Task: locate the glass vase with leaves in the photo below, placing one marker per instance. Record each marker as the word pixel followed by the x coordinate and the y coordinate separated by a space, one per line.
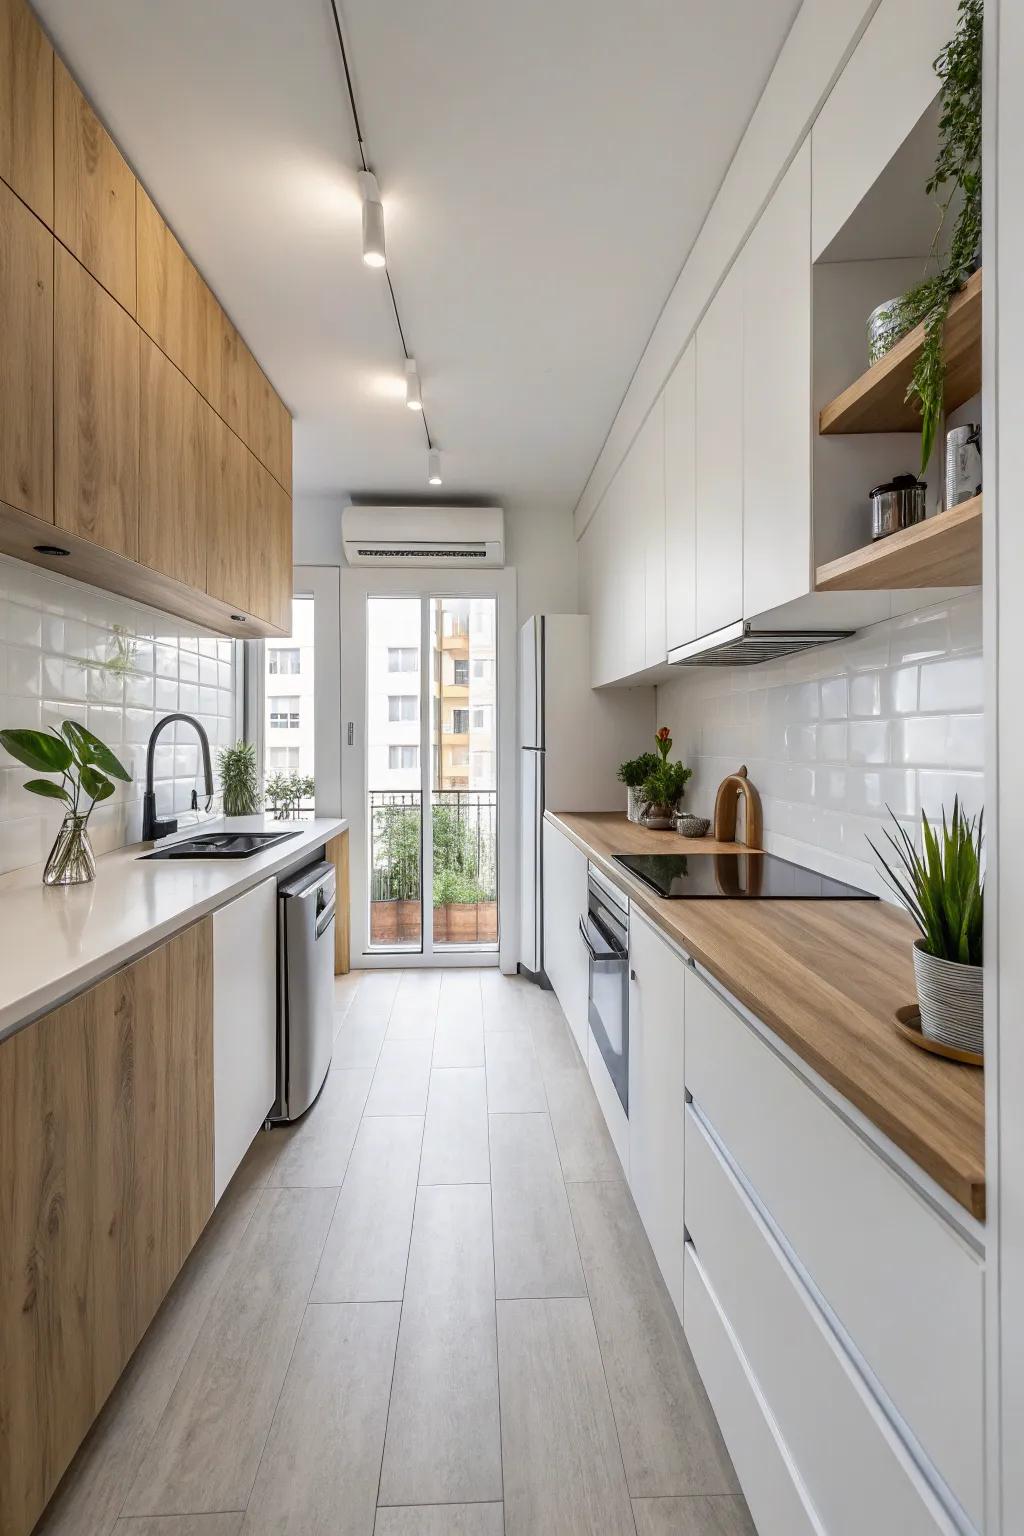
pixel 87 769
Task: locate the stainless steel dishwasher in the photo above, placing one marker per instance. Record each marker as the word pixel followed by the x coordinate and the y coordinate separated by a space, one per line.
pixel 305 987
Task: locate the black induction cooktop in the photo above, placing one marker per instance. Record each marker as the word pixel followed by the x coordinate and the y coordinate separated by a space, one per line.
pixel 735 876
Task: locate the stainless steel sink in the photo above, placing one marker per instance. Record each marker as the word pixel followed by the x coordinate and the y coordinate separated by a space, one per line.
pixel 220 845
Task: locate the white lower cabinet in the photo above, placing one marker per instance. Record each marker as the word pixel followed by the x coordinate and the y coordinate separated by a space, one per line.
pixel 565 902
pixel 244 1024
pixel 657 973
pixel 857 1472
pixel 855 1307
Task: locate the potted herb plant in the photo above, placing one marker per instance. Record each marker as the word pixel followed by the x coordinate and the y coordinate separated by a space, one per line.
pixel 942 888
pixel 663 787
pixel 87 769
pixel 239 779
pixel 632 774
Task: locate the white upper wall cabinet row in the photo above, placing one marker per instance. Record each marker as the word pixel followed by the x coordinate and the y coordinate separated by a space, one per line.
pixel 710 516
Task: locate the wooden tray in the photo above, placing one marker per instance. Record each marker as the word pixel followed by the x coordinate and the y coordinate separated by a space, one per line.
pixel 908 1022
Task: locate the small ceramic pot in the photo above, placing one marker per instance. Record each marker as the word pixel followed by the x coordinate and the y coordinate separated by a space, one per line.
pixel 634 804
pixel 951 997
pixel 660 818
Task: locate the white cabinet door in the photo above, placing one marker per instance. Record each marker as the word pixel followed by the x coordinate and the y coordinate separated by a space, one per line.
pixel 720 458
pixel 565 902
pixel 776 265
pixel 244 1024
pixel 625 556
pixel 657 974
pixel 681 501
pixel 649 522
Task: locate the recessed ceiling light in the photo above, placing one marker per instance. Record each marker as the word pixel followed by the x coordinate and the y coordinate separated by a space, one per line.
pixel 434 467
pixel 413 398
pixel 373 221
pixel 53 550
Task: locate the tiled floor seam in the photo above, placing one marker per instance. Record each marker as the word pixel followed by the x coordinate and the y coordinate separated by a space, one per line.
pixel 408 1253
pixel 497 1356
pixel 291 1356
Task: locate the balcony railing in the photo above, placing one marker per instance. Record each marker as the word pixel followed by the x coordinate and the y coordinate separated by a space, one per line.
pixel 464 827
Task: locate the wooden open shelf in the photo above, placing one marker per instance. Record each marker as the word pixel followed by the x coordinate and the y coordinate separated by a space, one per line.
pixel 875 402
pixel 943 551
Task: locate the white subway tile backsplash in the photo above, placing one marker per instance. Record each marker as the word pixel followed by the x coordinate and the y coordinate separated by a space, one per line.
pixel 55 634
pixel 892 717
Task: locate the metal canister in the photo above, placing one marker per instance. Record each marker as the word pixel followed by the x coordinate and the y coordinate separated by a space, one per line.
pixel 963 463
pixel 899 503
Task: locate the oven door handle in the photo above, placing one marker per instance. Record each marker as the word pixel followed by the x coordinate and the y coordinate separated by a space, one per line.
pixel 587 944
pixel 615 960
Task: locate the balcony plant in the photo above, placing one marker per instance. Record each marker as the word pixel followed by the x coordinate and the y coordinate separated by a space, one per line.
pixel 285 793
pixel 943 889
pixel 664 786
pixel 633 773
pixel 239 779
pixel 87 770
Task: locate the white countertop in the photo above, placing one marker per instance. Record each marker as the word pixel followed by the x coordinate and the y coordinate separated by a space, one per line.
pixel 54 942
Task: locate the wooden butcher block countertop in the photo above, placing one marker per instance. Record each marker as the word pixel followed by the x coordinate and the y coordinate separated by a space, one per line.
pixel 827 977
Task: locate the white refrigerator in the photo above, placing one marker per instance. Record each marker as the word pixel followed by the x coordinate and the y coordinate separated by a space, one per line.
pixel 572 738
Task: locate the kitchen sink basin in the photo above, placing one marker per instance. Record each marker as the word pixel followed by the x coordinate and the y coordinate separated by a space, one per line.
pixel 220 845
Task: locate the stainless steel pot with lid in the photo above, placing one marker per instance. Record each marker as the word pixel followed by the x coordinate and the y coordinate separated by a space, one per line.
pixel 899 503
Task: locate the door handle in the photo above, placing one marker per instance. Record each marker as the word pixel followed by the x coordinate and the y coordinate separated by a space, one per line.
pixel 632 975
pixel 586 942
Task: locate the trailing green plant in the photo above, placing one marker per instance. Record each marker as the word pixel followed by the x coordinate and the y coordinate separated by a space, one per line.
pixel 665 786
pixel 941 887
pixel 86 765
pixel 636 770
pixel 286 791
pixel 957 170
pixel 239 779
pixel 122 651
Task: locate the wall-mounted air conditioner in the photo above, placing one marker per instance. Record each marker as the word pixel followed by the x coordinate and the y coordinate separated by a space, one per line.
pixel 470 538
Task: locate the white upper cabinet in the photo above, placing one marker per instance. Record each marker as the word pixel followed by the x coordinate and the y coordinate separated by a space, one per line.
pixel 720 458
pixel 891 74
pixel 680 398
pixel 648 487
pixel 776 266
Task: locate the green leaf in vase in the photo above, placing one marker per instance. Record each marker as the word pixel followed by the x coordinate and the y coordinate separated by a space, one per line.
pixel 89 749
pixel 38 750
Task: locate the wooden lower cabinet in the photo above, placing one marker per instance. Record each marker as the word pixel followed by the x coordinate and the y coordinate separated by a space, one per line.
pixel 96 412
pixel 337 851
pixel 106 1140
pixel 26 359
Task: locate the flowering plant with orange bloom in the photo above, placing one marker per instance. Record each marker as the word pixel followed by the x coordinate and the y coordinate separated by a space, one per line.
pixel 663 739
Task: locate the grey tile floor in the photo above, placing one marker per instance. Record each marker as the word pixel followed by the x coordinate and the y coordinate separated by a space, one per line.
pixel 428 1309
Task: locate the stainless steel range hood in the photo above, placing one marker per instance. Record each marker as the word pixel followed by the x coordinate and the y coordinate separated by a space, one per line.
pixel 743 645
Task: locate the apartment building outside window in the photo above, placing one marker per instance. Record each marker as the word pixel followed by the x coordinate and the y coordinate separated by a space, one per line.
pixel 284 661
pixel 284 759
pixel 402 706
pixel 403 757
pixel 284 713
pixel 461 674
pixel 403 658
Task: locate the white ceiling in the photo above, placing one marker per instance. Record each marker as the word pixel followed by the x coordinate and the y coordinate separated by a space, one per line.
pixel 545 166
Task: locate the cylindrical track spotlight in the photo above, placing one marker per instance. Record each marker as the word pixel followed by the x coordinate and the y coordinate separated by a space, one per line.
pixel 413 398
pixel 434 467
pixel 373 221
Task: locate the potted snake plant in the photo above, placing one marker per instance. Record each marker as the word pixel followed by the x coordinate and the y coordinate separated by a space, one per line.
pixel 943 889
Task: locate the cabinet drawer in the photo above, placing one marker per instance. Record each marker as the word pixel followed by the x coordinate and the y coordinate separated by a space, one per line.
pixel 857 1472
pixel 762 1462
pixel 906 1288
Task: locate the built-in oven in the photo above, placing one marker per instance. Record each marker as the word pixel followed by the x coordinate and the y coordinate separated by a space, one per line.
pixel 605 932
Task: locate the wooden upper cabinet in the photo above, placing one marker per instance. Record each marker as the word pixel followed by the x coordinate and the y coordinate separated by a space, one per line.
pixel 176 507
pixel 270 544
pixel 173 300
pixel 96 412
pixel 269 427
pixel 106 1141
pixel 26 359
pixel 93 192
pixel 26 108
pixel 229 557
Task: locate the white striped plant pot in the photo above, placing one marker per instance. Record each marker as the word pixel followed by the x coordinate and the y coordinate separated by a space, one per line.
pixel 951 998
pixel 634 804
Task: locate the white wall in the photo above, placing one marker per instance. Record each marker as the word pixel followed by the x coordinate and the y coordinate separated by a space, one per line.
pixel 893 716
pixel 540 543
pixel 49 626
